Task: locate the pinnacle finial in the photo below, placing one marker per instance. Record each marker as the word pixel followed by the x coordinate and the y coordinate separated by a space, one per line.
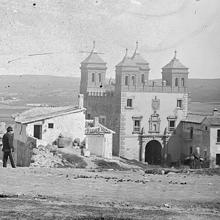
pixel 136 46
pixel 126 52
pixel 175 52
pixel 93 47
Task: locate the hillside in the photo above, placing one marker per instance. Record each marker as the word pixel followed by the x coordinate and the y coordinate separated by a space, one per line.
pixel 28 89
pixel 205 90
pixel 44 89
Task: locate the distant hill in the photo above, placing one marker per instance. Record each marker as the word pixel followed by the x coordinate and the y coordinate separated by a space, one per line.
pixel 202 90
pixel 57 91
pixel 205 90
pixel 44 89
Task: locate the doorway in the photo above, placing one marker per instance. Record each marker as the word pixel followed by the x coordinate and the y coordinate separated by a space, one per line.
pixel 38 131
pixel 153 152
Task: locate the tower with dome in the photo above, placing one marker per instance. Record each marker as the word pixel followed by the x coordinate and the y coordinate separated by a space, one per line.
pixel 143 114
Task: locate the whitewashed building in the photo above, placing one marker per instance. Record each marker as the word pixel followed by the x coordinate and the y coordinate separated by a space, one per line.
pixel 99 139
pixel 43 125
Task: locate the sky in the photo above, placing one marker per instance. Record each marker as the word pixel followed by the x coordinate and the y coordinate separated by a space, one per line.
pixel 47 37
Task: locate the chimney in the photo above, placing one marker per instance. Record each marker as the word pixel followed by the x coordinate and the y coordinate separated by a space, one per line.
pixel 96 121
pixel 215 112
pixel 80 100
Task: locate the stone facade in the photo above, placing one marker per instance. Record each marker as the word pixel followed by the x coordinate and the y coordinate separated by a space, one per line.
pixel 141 113
pixel 197 134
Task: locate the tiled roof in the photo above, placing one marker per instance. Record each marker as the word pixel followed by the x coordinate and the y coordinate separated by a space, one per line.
pixel 40 113
pixel 194 118
pixel 214 120
pixel 127 62
pixel 174 64
pixel 94 58
pixel 199 118
pixel 138 59
pixel 96 130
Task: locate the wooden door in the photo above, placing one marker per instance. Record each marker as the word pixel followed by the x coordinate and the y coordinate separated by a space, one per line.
pixel 38 131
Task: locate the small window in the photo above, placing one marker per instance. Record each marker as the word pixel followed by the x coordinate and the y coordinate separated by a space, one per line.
pixel 126 80
pixel 133 80
pixel 191 133
pixel 179 103
pixel 190 150
pixel 50 125
pixel 206 128
pixel 100 77
pixel 171 125
pixel 217 159
pixel 93 77
pixel 137 126
pixel 218 135
pixel 176 82
pixel 142 78
pixel 88 116
pixel 183 82
pixel 129 103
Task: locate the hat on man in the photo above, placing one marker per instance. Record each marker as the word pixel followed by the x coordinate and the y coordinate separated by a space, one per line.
pixel 9 129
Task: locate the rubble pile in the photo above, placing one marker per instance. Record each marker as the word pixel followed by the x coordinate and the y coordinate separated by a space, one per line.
pixel 46 156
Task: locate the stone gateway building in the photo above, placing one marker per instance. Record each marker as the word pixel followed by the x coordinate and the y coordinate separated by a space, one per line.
pixel 142 113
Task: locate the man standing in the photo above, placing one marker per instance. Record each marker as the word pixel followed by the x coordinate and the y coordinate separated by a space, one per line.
pixel 8 147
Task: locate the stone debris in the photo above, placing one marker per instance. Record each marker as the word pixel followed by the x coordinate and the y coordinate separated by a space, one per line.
pixel 108 178
pixel 45 156
pixel 166 205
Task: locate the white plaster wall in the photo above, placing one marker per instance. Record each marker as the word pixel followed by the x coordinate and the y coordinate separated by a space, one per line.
pixel 108 146
pixel 95 144
pixel 70 125
pixel 214 146
pixel 100 145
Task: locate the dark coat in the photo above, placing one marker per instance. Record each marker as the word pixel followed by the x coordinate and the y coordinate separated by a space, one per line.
pixel 7 142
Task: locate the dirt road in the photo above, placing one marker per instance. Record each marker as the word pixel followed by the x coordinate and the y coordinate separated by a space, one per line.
pixel 43 193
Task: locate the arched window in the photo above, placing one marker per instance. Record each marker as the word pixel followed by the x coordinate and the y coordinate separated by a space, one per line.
pixel 133 80
pixel 142 78
pixel 176 82
pixel 126 80
pixel 93 77
pixel 191 133
pixel 182 82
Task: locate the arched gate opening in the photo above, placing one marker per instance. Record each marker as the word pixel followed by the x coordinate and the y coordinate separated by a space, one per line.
pixel 153 152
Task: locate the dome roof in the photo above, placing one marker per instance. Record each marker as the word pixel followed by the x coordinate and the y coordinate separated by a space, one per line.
pixel 94 58
pixel 174 64
pixel 127 61
pixel 137 58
